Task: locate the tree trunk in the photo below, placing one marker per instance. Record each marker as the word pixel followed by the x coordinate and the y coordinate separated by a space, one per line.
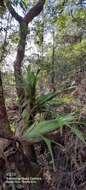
pixel 18 62
pixel 4 123
pixel 18 74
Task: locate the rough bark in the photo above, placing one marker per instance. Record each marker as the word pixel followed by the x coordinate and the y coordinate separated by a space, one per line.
pixel 18 62
pixel 35 11
pixel 4 123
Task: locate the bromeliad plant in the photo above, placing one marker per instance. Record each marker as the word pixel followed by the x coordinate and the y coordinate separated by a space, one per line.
pixel 37 104
pixel 38 132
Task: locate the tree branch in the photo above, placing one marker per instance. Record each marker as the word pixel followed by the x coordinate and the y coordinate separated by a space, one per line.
pixel 13 12
pixel 34 11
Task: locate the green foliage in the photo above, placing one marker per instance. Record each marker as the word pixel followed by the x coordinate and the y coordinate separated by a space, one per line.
pixel 38 131
pixel 23 3
pixel 30 82
pixel 72 51
pixel 68 99
pixel 80 18
pixel 14 37
pixel 69 51
pixel 26 2
pixel 41 129
pixel 2 10
pixel 36 104
pixel 41 101
pixel 49 98
pixel 39 32
pixel 79 134
pixel 44 127
pixel 48 143
pixel 61 22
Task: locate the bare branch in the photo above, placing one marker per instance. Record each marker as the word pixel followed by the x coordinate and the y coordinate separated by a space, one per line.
pixel 13 12
pixel 34 11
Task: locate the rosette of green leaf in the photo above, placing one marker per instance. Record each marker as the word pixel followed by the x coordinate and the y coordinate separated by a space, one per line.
pixel 45 127
pixel 39 103
pixel 37 131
